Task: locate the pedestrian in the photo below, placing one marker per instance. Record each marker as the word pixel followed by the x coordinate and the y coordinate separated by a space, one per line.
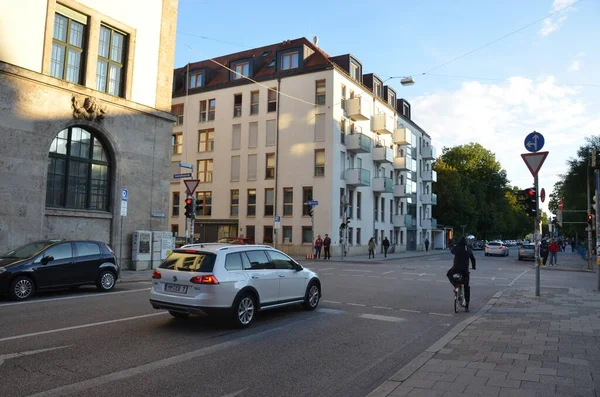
pixel 327 246
pixel 560 245
pixel 553 249
pixel 386 246
pixel 318 245
pixel 426 244
pixel 544 251
pixel 371 247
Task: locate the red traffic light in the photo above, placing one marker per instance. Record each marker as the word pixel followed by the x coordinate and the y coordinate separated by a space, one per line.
pixel 530 192
pixel 188 201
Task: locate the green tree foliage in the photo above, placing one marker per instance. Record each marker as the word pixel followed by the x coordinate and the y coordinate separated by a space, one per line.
pixel 473 190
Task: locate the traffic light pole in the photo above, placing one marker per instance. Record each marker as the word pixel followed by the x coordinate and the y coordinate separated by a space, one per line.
pixel 193 220
pixel 597 185
pixel 537 237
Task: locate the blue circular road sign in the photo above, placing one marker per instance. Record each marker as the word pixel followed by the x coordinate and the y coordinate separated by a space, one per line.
pixel 534 142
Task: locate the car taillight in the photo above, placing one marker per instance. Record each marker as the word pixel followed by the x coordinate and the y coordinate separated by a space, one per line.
pixel 499 248
pixel 204 280
pixel 156 274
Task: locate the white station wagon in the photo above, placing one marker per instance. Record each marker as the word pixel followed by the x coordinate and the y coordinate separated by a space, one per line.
pixel 239 280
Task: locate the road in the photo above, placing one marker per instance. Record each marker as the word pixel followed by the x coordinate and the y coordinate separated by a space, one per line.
pixel 374 318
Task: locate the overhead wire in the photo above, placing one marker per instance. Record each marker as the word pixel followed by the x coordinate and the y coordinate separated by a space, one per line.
pixel 503 80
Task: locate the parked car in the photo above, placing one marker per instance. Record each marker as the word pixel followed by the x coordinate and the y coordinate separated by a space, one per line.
pixel 238 280
pixel 478 245
pixel 52 264
pixel 527 251
pixel 496 248
pixel 236 240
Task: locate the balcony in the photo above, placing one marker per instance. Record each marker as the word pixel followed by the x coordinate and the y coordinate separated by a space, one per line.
pixel 403 220
pixel 383 154
pixel 383 185
pixel 429 176
pixel 429 223
pixel 383 124
pixel 428 153
pixel 401 163
pixel 358 143
pixel 429 199
pixel 358 177
pixel 358 109
pixel 402 191
pixel 402 136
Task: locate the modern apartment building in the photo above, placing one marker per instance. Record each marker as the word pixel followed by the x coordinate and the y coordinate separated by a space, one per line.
pixel 85 96
pixel 269 129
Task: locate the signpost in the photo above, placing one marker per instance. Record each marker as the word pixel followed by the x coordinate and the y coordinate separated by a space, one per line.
pixel 191 185
pixel 543 195
pixel 560 205
pixel 124 200
pixel 534 142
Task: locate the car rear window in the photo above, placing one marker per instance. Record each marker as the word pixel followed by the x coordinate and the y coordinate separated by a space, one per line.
pixel 190 262
pixel 529 246
pixel 495 244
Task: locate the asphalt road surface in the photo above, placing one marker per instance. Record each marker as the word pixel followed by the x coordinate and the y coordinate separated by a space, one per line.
pixel 374 318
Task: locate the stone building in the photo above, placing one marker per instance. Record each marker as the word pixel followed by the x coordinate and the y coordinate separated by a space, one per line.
pixel 85 94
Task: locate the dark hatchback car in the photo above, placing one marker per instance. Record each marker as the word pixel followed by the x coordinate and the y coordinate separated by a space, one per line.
pixel 54 264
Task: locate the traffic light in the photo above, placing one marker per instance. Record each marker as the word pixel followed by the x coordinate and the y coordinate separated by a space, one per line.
pixel 590 219
pixel 189 210
pixel 528 198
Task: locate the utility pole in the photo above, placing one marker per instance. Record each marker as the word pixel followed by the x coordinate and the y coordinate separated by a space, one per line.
pixel 193 218
pixel 589 227
pixel 537 236
pixel 597 208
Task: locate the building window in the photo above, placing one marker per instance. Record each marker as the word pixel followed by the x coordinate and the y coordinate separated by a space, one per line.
pixel 355 71
pixel 203 203
pixel 175 230
pixel 206 140
pixel 320 92
pixel 342 201
pixel 177 143
pixel 175 207
pixel 250 233
pixel 205 171
pixel 269 202
pixel 391 211
pixel 207 110
pixel 343 131
pixel 358 236
pixel 343 101
pixel 350 234
pixel 306 235
pixel 268 234
pixel 392 99
pixel 252 166
pixel 270 166
pixel 377 88
pixel 307 195
pixel 376 209
pixel 288 201
pixel 358 203
pixel 235 168
pixel 235 203
pixel 382 209
pixel 111 61
pixel 237 105
pixel 319 162
pixel 272 100
pixel 177 110
pixel 68 46
pixel 289 60
pixel 287 234
pixel 78 171
pixel 254 98
pixel 251 207
pixel 351 203
pixel 241 69
pixel 196 79
pixel 236 136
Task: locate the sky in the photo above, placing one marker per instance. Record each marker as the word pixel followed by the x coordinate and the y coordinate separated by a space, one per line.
pixel 544 77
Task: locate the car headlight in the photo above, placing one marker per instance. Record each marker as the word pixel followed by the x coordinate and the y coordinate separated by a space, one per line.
pixel 2 270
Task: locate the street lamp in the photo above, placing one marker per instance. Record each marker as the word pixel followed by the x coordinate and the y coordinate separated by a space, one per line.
pixel 405 81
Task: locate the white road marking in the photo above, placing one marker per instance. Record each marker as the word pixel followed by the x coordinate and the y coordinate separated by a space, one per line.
pixel 96 295
pixel 329 268
pixel 351 270
pixel 235 393
pixel 441 314
pixel 410 311
pixel 383 307
pixel 517 278
pixel 374 276
pixel 356 304
pixel 28 353
pixel 52 331
pixel 382 318
pixel 391 271
pixel 332 302
pixel 408 279
pixel 328 310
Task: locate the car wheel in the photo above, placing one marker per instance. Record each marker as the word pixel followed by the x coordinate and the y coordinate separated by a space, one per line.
pixel 178 314
pixel 106 281
pixel 244 310
pixel 312 296
pixel 486 254
pixel 21 288
pixel 519 257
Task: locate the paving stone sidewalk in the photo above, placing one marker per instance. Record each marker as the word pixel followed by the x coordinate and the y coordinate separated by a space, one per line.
pixel 518 345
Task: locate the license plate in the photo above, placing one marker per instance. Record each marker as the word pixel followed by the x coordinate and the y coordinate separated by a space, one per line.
pixel 178 289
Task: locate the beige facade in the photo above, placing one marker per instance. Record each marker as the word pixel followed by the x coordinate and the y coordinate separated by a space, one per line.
pixel 75 137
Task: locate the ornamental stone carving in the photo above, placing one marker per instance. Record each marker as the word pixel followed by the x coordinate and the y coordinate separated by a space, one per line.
pixel 87 109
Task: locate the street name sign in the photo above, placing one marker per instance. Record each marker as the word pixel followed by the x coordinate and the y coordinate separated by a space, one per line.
pixel 186 175
pixel 191 185
pixel 534 142
pixel 534 161
pixel 312 202
pixel 185 165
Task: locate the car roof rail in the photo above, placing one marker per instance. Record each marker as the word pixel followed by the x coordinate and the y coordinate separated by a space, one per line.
pixel 201 245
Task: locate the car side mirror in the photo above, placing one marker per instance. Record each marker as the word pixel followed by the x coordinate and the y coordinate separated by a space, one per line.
pixel 47 259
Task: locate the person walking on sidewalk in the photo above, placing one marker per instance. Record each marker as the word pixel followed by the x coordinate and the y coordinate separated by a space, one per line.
pixel 553 249
pixel 426 244
pixel 371 247
pixel 386 246
pixel 462 256
pixel 318 245
pixel 327 246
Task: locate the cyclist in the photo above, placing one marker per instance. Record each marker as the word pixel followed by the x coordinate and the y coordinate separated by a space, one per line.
pixel 462 256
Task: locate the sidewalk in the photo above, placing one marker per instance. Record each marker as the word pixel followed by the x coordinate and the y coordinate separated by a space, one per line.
pixel 517 345
pixel 378 256
pixel 570 261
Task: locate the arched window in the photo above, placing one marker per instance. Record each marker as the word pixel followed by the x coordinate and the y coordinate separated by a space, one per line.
pixel 78 171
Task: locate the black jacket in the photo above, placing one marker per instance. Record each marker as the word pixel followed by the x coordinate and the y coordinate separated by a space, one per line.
pixel 462 255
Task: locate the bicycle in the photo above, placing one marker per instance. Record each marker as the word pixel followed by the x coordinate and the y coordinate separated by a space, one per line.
pixel 459 293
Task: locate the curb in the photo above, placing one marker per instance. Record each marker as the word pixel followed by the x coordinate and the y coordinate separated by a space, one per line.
pixel 387 259
pixel 387 387
pixel 566 270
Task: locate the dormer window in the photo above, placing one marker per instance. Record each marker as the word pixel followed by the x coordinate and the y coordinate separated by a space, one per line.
pixel 241 70
pixel 196 79
pixel 289 60
pixel 355 71
pixel 377 88
pixel 391 98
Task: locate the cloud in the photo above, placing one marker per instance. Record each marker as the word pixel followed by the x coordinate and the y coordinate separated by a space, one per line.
pixel 574 66
pixel 553 24
pixel 499 116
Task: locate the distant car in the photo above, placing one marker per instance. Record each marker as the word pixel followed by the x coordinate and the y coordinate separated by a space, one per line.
pixel 236 240
pixel 527 251
pixel 51 264
pixel 496 248
pixel 238 280
pixel 478 245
